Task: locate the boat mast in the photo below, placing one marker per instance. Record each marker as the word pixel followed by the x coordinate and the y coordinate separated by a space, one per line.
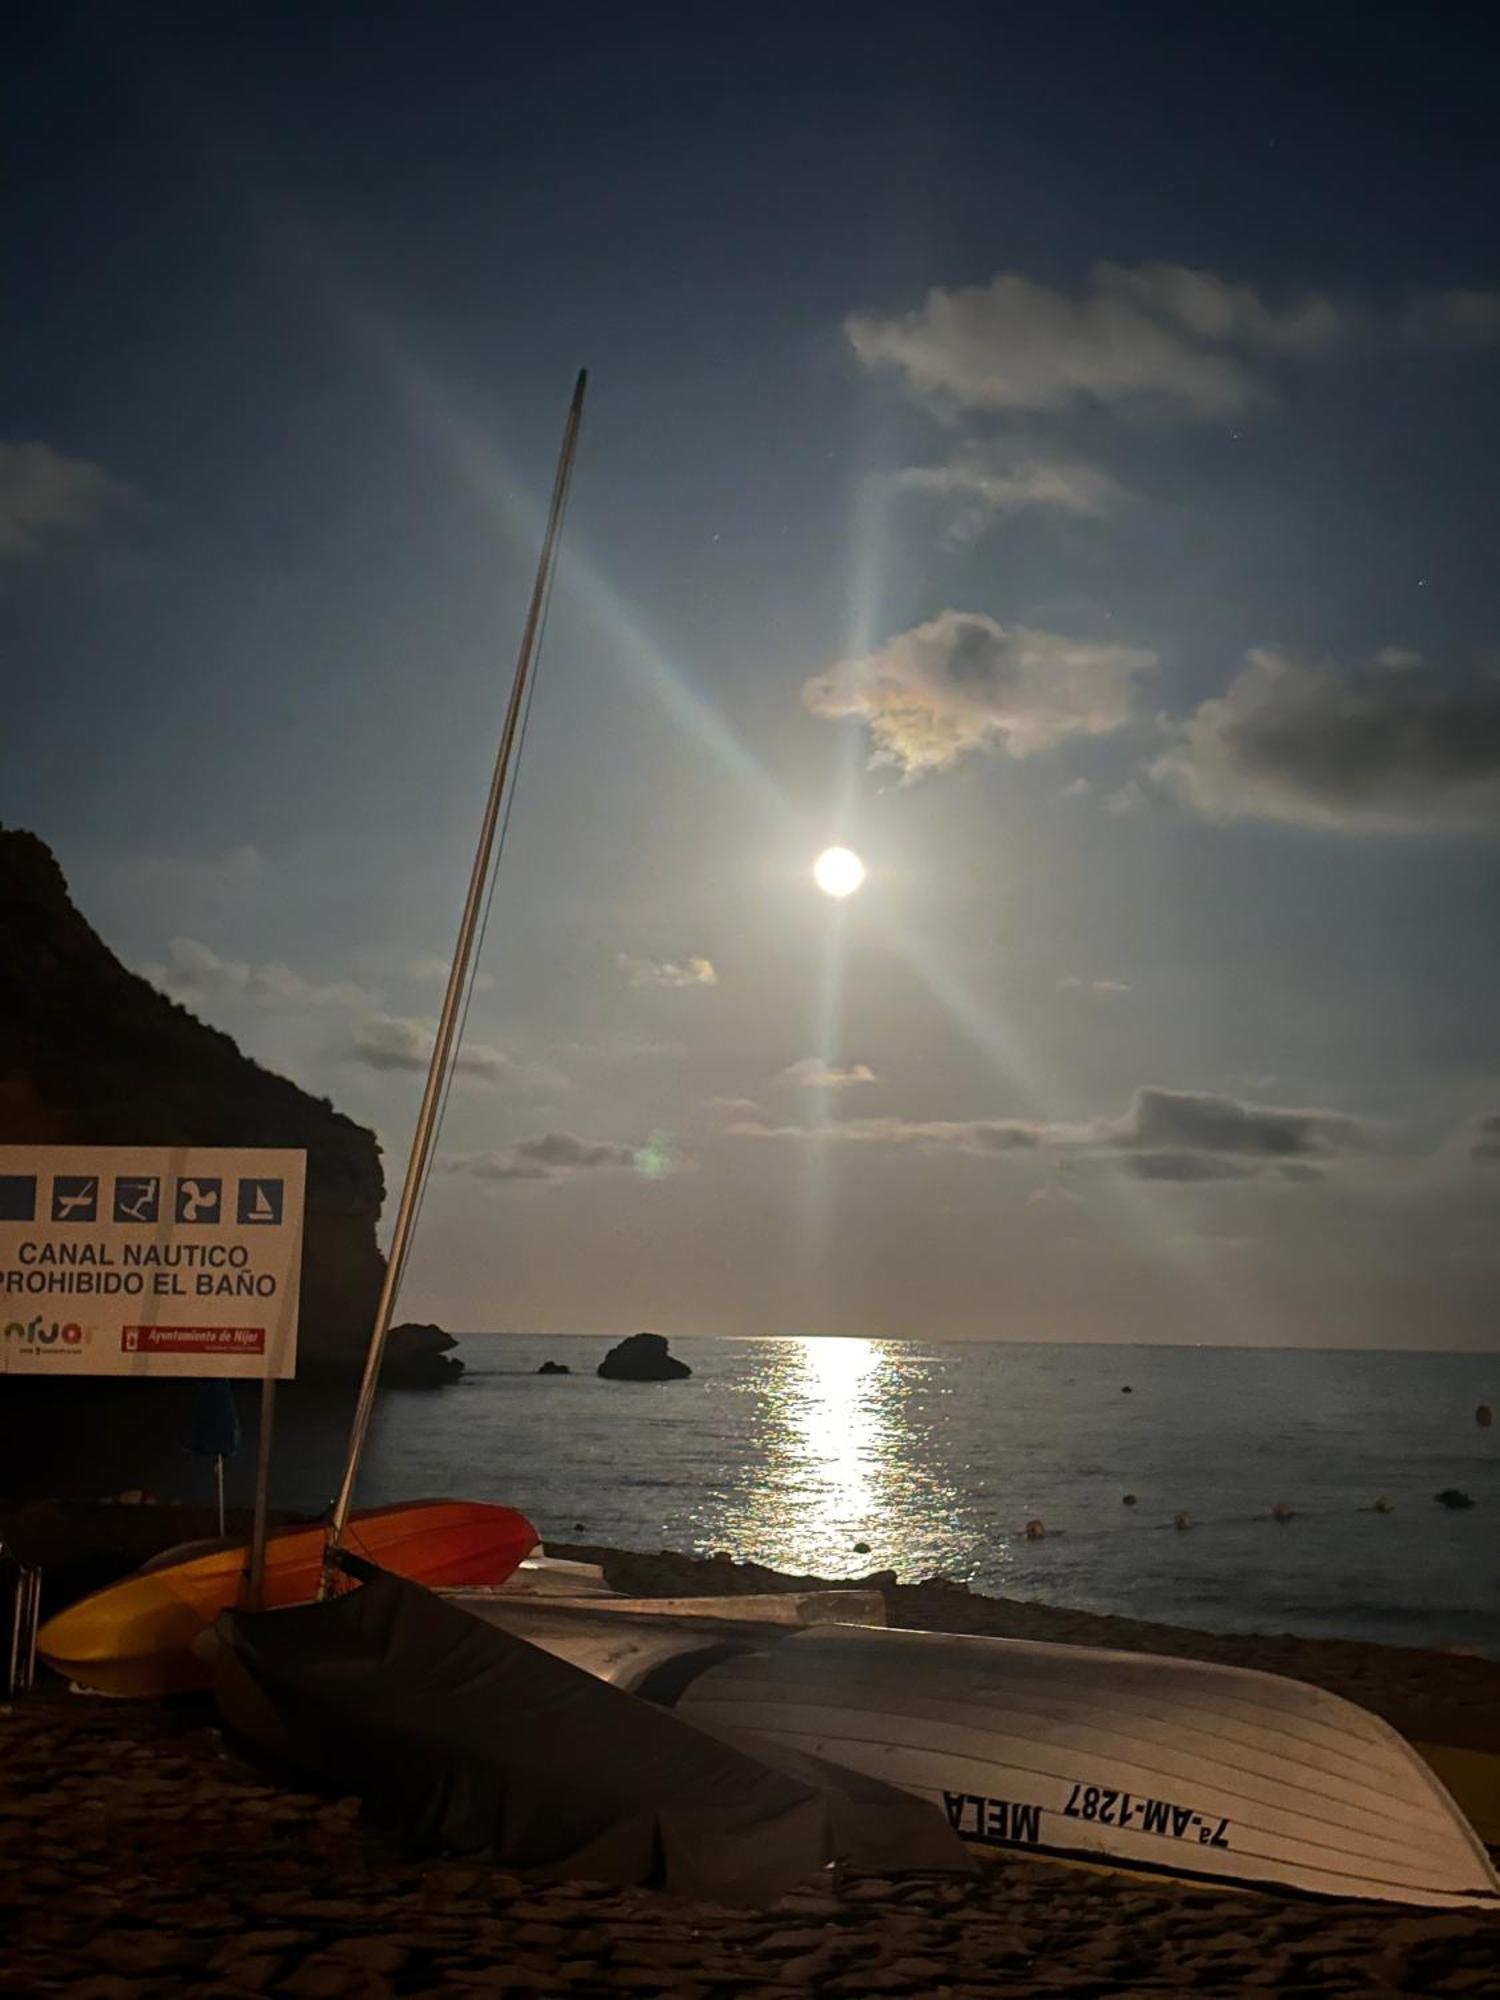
pixel 447 1030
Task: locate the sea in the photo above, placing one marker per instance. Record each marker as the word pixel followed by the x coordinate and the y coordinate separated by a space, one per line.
pixel 838 1457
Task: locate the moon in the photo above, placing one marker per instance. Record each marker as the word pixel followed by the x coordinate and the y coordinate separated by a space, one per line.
pixel 838 871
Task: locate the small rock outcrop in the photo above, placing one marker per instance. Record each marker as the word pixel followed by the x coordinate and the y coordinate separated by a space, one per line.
pixel 642 1357
pixel 418 1357
pixel 555 1368
pixel 1454 1497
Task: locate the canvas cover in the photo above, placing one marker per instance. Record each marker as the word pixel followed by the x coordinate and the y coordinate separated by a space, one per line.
pixel 460 1737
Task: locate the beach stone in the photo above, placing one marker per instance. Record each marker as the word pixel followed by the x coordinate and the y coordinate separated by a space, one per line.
pixel 538 1933
pixel 319 1979
pixel 870 1889
pixel 330 1909
pixel 809 1903
pixel 130 1952
pixel 796 1940
pixel 372 1954
pixel 102 1986
pixel 253 1972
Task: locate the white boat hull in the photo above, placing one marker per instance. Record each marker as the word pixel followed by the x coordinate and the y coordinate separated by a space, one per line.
pixel 1122 1757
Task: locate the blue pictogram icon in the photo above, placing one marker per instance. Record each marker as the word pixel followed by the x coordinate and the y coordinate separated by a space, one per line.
pixel 75 1197
pixel 17 1197
pixel 260 1201
pixel 137 1198
pixel 199 1199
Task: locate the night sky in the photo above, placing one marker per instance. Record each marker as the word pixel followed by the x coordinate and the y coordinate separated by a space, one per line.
pixel 1050 451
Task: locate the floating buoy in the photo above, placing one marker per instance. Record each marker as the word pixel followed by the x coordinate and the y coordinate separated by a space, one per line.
pixel 1126 1390
pixel 1182 1520
pixel 1035 1530
pixel 1127 1500
pixel 1484 1416
pixel 1281 1511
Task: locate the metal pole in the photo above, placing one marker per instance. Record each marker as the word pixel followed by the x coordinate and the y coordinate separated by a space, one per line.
pixel 255 1575
pixel 219 1489
pixel 422 1137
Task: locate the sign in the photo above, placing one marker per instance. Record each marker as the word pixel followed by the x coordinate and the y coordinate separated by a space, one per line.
pixel 128 1260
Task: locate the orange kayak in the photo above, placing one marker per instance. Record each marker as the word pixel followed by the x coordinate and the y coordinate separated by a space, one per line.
pixel 136 1637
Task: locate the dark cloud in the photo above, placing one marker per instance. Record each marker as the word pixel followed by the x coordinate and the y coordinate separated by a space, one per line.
pixel 390 1042
pixel 553 1156
pixel 562 1149
pixel 1185 1167
pixel 962 683
pixel 1166 1135
pixel 1393 746
pixel 1197 1122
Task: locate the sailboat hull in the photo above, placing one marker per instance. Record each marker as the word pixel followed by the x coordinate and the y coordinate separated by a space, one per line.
pixel 136 1638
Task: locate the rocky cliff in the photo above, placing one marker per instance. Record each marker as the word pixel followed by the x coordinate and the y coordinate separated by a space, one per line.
pixel 92 1054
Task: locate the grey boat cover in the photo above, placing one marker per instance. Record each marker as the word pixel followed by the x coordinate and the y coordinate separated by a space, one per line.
pixel 460 1737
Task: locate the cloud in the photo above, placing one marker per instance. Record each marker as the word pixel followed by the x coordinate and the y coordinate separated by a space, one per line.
pixel 43 493
pixel 1185 1167
pixel 962 683
pixel 1149 338
pixel 1164 1135
pixel 388 1042
pixel 1197 1121
pixel 980 485
pixel 1452 319
pixel 1487 1139
pixel 1052 1194
pixel 553 1156
pixel 432 970
pixel 1155 337
pixel 982 1137
pixel 1072 983
pixel 673 973
pixel 812 1073
pixel 1392 746
pixel 195 971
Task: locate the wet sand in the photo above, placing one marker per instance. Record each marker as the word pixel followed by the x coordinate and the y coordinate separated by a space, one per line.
pixel 140 1856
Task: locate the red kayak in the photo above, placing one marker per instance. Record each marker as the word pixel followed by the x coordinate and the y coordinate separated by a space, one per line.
pixel 136 1637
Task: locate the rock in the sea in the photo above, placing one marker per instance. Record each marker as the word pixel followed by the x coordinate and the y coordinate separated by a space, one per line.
pixel 1453 1496
pixel 92 1055
pixel 417 1357
pixel 554 1368
pixel 642 1357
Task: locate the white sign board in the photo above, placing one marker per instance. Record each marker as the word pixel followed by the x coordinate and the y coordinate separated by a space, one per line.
pixel 127 1260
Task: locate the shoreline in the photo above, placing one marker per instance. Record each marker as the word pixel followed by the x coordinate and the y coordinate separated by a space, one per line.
pixel 141 1856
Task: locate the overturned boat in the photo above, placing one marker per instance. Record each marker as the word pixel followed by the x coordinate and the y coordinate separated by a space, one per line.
pixel 1132 1759
pixel 460 1737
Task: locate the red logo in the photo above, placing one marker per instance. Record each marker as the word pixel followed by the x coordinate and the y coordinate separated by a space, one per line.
pixel 193 1339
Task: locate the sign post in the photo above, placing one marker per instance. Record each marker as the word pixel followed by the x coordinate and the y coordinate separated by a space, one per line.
pixel 148 1261
pixel 255 1575
pixel 121 1260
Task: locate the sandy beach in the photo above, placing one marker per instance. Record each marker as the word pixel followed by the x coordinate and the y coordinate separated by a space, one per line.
pixel 140 1856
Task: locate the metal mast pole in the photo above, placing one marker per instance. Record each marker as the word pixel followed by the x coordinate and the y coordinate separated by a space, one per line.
pixel 442 1049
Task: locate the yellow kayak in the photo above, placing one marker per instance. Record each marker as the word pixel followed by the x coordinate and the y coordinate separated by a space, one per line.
pixel 136 1637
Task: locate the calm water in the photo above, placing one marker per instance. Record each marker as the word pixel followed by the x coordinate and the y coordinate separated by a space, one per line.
pixel 790 1452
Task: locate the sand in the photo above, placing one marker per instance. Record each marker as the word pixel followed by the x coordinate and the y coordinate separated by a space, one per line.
pixel 139 1856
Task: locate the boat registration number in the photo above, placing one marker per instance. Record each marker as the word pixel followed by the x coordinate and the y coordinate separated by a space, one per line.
pixel 1141 1815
